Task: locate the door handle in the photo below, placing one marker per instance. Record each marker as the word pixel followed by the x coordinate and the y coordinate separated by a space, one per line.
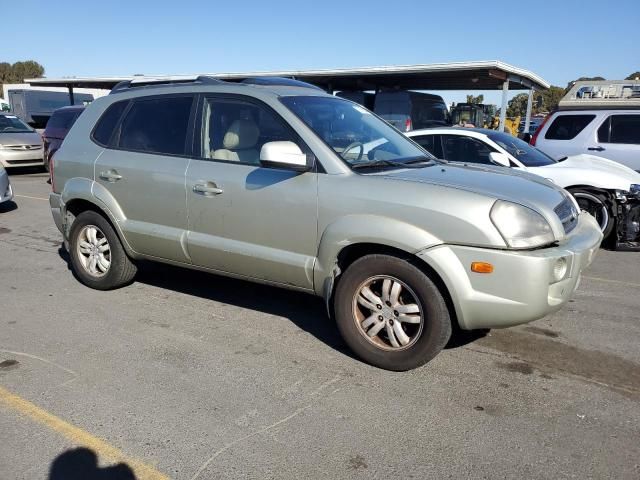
pixel 597 149
pixel 110 176
pixel 208 189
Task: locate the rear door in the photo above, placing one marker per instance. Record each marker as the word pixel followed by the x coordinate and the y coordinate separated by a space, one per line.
pixel 618 138
pixel 569 133
pixel 244 218
pixel 144 167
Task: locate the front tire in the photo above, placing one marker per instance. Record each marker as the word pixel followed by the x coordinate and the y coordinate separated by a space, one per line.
pixel 596 204
pixel 97 256
pixel 390 313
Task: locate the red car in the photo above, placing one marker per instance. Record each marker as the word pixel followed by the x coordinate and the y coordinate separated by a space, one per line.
pixel 57 128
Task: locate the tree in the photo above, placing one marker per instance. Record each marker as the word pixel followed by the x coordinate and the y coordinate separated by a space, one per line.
pixel 518 105
pixel 634 76
pixel 475 99
pixel 550 98
pixel 17 72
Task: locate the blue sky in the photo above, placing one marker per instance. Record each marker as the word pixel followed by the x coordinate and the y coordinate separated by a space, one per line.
pixel 559 40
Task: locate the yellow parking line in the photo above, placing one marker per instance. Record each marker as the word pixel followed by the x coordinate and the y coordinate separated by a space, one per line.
pixel 78 436
pixel 32 198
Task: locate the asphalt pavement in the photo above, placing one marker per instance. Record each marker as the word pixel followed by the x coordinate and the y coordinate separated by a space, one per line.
pixel 190 376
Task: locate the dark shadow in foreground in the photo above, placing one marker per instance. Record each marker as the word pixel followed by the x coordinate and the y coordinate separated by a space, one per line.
pixel 82 464
pixel 9 206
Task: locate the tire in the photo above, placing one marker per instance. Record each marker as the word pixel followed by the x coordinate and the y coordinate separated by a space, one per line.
pixel 596 205
pixel 358 322
pixel 85 245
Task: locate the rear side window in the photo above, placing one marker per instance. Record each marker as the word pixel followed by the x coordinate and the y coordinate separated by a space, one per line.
pixel 567 127
pixel 157 125
pixel 63 119
pixel 620 129
pixel 103 131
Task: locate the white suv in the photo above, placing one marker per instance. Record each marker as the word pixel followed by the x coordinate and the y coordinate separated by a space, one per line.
pixel 612 134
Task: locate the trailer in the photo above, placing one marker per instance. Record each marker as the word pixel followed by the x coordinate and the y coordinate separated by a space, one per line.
pixel 36 106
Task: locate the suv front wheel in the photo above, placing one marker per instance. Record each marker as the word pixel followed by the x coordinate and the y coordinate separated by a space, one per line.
pixel 97 256
pixel 390 313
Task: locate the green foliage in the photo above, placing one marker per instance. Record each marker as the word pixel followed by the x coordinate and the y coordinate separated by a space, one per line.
pixel 17 72
pixel 518 105
pixel 476 100
pixel 634 76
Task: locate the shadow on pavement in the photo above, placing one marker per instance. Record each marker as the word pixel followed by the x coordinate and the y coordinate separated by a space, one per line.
pixel 8 206
pixel 306 311
pixel 82 464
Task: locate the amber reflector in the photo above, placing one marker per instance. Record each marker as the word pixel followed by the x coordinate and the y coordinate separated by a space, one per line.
pixel 481 267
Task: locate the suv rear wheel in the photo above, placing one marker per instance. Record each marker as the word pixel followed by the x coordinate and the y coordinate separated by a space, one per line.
pixel 97 256
pixel 390 313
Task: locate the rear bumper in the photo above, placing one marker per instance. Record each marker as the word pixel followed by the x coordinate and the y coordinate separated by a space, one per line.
pixel 26 158
pixel 523 286
pixel 56 204
pixel 6 192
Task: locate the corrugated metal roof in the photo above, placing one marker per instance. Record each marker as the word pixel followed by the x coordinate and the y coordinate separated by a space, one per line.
pixel 480 75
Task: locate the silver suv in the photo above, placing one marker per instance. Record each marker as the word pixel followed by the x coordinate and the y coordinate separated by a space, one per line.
pixel 278 182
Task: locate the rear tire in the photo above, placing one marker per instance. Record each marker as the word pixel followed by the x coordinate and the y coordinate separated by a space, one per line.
pixel 98 258
pixel 596 204
pixel 390 313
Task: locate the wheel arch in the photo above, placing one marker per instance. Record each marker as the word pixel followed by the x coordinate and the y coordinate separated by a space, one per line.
pixel 350 253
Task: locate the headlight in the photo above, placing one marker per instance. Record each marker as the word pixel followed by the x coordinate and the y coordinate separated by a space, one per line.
pixel 520 226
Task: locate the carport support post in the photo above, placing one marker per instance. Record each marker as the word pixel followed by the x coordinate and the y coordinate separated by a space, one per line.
pixel 71 99
pixel 503 108
pixel 527 117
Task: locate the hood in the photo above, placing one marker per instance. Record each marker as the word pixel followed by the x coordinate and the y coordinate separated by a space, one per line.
pixel 590 170
pixel 495 182
pixel 20 138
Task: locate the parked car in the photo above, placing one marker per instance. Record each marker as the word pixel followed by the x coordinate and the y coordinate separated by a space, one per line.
pixel 58 126
pixel 612 134
pixel 365 99
pixel 20 145
pixel 607 190
pixel 251 181
pixel 407 110
pixel 6 192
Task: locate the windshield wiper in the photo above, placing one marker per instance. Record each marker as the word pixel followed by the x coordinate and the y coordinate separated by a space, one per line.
pixel 417 162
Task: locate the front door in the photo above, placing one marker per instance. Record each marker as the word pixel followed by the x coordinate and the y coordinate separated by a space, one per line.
pixel 244 218
pixel 144 170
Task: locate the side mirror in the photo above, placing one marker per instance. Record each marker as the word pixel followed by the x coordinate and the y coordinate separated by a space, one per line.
pixel 284 155
pixel 500 159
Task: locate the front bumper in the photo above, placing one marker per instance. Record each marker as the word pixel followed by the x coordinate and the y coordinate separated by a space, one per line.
pixel 522 287
pixel 21 158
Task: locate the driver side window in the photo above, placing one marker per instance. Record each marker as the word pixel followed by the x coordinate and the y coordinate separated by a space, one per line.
pixel 236 131
pixel 458 148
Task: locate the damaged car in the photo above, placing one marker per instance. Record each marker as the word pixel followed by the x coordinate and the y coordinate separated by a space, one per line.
pixel 608 190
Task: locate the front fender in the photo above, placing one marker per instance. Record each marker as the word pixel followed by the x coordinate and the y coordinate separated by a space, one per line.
pixel 372 229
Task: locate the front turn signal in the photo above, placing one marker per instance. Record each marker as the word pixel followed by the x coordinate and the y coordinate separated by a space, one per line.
pixel 481 267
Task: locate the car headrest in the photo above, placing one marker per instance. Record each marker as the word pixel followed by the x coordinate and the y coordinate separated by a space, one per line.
pixel 241 134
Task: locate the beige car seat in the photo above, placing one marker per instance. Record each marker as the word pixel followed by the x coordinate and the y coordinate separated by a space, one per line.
pixel 239 143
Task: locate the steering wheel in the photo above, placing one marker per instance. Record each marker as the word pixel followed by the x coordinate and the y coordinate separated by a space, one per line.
pixel 351 146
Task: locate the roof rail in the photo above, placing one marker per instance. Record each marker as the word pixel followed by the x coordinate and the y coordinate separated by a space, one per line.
pixel 283 81
pixel 147 82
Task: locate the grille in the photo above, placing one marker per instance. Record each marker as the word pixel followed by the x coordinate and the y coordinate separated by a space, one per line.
pixel 22 162
pixel 568 214
pixel 22 148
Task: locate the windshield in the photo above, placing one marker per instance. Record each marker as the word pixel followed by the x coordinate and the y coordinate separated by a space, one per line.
pixel 355 134
pixel 11 123
pixel 521 150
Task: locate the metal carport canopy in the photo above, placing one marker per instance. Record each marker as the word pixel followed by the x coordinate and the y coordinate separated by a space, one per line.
pixel 483 75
